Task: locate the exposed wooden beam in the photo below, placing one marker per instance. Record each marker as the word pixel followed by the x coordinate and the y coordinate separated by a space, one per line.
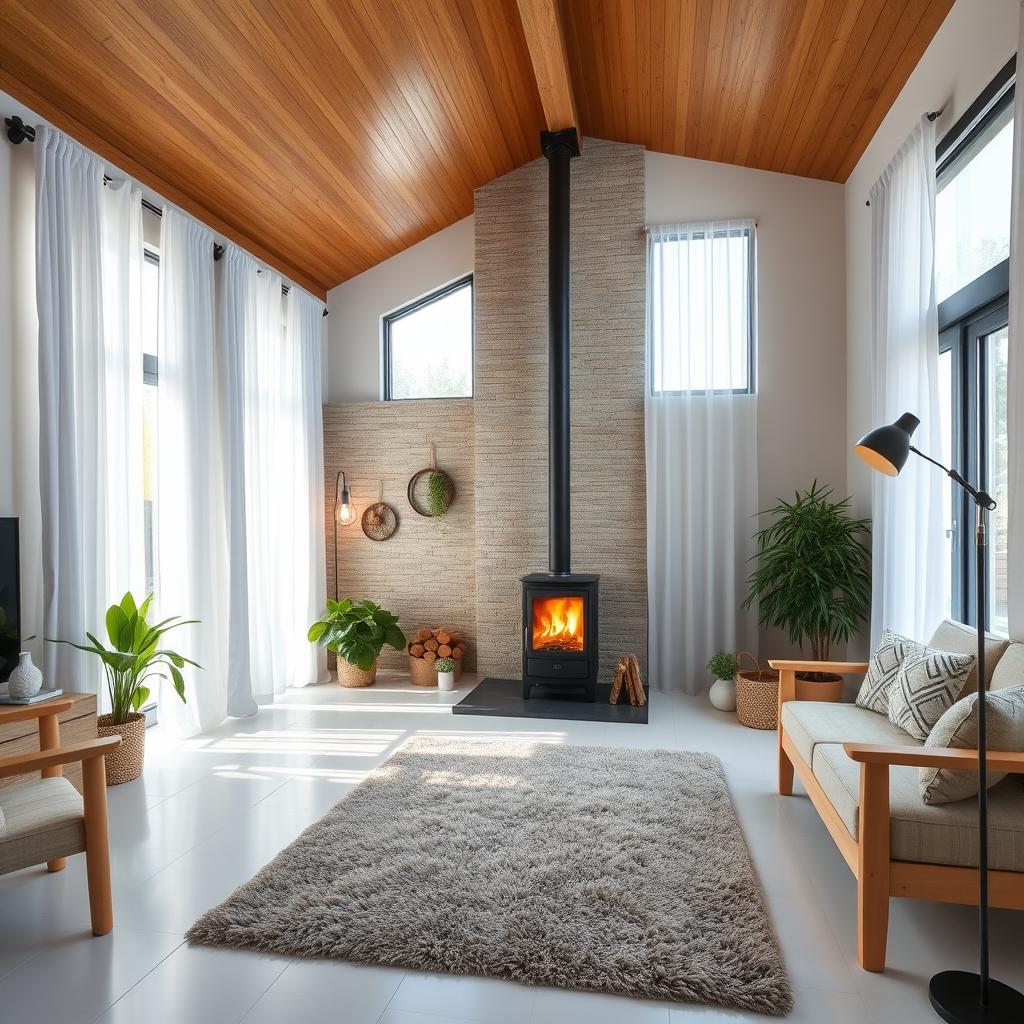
pixel 542 26
pixel 88 138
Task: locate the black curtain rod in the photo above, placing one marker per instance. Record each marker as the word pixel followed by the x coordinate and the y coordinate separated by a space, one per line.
pixel 19 132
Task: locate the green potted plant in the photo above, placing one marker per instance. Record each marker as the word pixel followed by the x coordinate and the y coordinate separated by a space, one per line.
pixel 723 666
pixel 813 576
pixel 356 633
pixel 134 655
pixel 445 673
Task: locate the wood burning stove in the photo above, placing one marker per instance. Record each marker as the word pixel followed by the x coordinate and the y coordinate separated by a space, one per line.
pixel 560 631
pixel 560 620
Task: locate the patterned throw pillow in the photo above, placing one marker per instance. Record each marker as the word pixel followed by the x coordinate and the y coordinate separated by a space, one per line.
pixel 883 669
pixel 958 729
pixel 927 685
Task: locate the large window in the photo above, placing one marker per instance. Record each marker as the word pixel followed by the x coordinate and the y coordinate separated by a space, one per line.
pixel 150 379
pixel 972 281
pixel 428 345
pixel 702 310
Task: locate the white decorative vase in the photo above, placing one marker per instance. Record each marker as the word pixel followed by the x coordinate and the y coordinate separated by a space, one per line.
pixel 26 679
pixel 723 694
pixel 446 680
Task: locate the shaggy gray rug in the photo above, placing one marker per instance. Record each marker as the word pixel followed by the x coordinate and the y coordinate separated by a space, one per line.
pixel 594 868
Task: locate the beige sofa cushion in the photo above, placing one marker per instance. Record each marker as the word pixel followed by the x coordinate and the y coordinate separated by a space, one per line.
pixel 810 722
pixel 960 639
pixel 958 728
pixel 946 834
pixel 1010 669
pixel 44 821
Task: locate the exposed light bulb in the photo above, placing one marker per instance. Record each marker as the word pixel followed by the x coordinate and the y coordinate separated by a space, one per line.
pixel 347 513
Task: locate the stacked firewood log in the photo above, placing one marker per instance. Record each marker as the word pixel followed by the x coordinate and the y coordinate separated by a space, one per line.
pixel 431 644
pixel 627 677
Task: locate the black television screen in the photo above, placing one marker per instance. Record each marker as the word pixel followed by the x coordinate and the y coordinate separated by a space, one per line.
pixel 10 598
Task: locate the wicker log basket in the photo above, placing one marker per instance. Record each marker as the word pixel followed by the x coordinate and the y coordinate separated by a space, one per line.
pixel 757 695
pixel 125 763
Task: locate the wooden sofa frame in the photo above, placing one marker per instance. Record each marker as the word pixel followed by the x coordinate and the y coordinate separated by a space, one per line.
pixel 49 761
pixel 879 877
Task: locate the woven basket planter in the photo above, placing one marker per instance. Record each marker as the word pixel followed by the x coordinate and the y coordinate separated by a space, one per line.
pixel 125 763
pixel 352 676
pixel 757 696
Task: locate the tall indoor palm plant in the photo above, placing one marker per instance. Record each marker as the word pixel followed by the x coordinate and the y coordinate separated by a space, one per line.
pixel 813 576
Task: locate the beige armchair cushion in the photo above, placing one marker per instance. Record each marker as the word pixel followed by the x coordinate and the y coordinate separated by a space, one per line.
pixel 810 722
pixel 43 821
pixel 944 834
pixel 1010 669
pixel 960 639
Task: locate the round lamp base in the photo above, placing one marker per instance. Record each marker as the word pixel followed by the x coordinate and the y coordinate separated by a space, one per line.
pixel 954 997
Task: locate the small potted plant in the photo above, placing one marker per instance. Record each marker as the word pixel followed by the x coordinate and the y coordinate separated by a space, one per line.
pixel 723 666
pixel 445 673
pixel 356 633
pixel 134 656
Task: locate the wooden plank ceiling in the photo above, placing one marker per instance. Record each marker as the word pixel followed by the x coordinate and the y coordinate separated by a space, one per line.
pixel 328 135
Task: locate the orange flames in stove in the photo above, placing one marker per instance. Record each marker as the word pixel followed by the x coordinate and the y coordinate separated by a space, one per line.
pixel 557 624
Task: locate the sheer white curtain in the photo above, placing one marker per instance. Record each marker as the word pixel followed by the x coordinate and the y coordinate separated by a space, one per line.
pixel 1015 374
pixel 192 536
pixel 908 567
pixel 88 273
pixel 701 426
pixel 235 324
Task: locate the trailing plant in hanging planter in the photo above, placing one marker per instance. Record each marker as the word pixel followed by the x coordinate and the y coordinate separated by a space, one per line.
pixel 813 576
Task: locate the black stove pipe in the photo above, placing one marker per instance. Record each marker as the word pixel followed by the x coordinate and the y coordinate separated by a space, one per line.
pixel 559 148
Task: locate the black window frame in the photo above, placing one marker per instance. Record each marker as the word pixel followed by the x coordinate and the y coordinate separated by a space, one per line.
pixel 965 319
pixel 751 389
pixel 414 307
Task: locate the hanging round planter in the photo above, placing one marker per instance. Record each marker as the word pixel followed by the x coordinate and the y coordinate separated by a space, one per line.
pixel 431 491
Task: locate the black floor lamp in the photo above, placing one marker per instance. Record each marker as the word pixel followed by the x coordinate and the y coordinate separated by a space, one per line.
pixel 959 997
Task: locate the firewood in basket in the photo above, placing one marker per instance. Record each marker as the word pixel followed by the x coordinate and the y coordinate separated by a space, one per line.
pixel 444 651
pixel 458 652
pixel 429 656
pixel 416 650
pixel 431 644
pixel 442 636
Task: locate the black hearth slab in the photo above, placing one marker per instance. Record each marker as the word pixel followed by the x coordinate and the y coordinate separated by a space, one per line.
pixel 503 698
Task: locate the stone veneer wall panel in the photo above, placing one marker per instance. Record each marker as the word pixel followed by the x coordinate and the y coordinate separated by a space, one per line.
pixel 608 348
pixel 426 572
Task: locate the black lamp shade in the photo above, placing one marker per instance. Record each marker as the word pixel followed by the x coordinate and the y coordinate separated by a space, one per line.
pixel 887 448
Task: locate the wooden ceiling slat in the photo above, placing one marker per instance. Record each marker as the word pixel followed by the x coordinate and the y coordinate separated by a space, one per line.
pixel 328 135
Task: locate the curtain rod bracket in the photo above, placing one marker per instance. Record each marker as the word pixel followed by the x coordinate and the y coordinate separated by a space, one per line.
pixel 19 132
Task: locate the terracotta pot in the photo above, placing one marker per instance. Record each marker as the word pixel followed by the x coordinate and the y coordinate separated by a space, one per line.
pixel 125 763
pixel 827 687
pixel 352 676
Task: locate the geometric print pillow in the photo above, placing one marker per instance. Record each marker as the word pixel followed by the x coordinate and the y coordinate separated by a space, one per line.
pixel 927 685
pixel 883 669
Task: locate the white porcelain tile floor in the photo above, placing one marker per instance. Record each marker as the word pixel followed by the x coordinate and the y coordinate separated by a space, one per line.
pixel 209 812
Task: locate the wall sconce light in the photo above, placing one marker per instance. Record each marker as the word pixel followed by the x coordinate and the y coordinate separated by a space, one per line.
pixel 345 512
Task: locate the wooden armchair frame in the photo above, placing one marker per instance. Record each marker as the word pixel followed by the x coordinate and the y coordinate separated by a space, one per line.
pixel 49 761
pixel 868 856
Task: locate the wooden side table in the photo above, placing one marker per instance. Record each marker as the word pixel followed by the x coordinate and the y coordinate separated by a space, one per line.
pixel 76 724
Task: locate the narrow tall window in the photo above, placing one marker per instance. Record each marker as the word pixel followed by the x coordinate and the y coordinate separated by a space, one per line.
pixel 972 244
pixel 428 345
pixel 701 308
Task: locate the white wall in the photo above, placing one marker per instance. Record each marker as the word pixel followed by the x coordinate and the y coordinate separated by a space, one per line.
pixel 801 417
pixel 353 327
pixel 977 38
pixel 19 407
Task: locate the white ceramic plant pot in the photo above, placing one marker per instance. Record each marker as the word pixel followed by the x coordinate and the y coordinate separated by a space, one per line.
pixel 723 694
pixel 26 679
pixel 446 680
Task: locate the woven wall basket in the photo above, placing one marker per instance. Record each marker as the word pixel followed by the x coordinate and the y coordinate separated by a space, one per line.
pixel 125 763
pixel 757 696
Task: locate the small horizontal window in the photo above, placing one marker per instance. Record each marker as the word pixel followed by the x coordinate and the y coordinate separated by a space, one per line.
pixel 701 308
pixel 428 345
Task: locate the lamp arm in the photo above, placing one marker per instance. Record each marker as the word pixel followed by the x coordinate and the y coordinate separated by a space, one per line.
pixel 981 498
